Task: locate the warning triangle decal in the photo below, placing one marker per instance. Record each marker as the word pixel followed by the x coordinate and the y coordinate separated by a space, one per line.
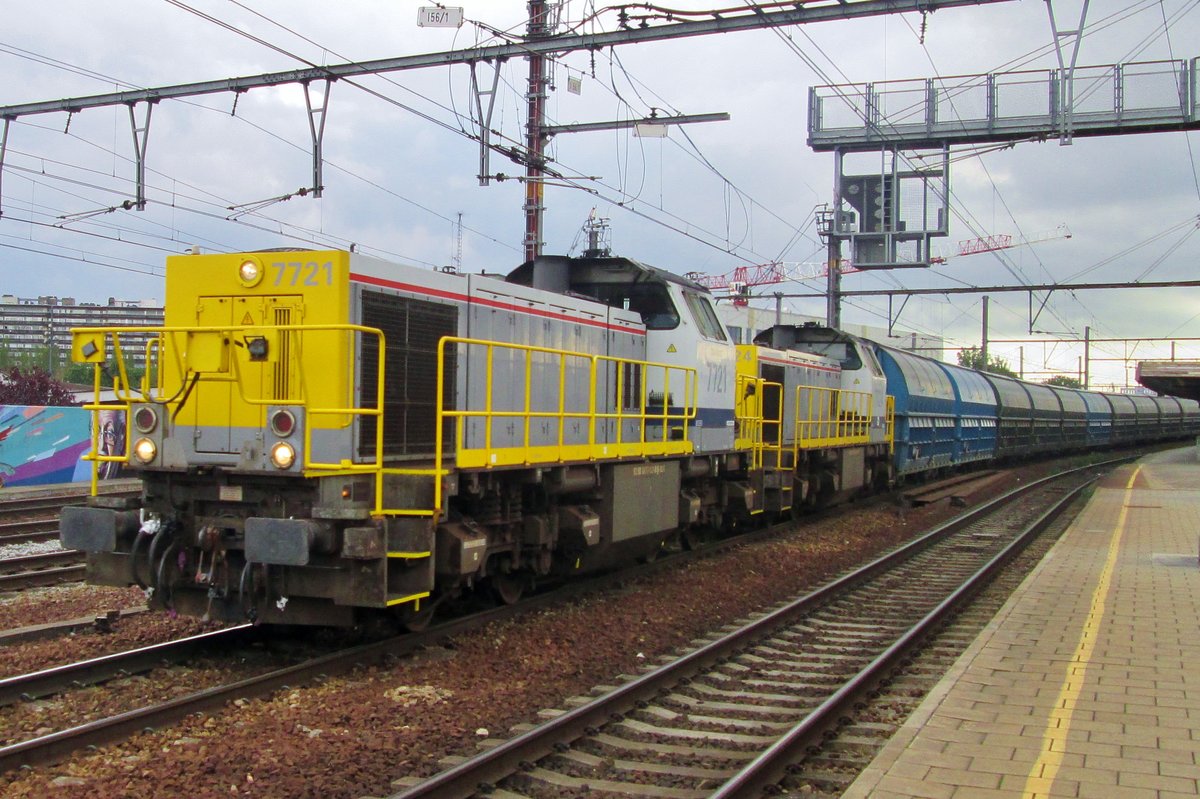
pixel 247 320
pixel 672 348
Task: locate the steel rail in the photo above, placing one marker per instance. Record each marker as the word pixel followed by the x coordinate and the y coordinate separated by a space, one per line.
pixel 56 745
pixel 11 507
pixel 770 766
pixel 26 563
pixel 960 487
pixel 14 528
pixel 482 771
pixel 56 501
pixel 26 687
pixel 954 480
pixel 32 537
pixel 36 632
pixel 42 577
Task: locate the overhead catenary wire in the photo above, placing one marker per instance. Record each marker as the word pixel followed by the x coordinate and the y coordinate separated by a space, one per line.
pixel 82 257
pixel 218 212
pixel 219 208
pixel 262 41
pixel 1001 256
pixel 974 224
pixel 244 120
pixel 1003 260
pixel 640 203
pixel 462 131
pixel 1186 138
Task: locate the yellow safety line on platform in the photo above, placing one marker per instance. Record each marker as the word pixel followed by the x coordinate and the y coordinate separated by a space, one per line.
pixel 1054 743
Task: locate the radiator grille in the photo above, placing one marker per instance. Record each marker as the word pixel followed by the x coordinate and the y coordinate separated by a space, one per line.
pixel 281 384
pixel 411 330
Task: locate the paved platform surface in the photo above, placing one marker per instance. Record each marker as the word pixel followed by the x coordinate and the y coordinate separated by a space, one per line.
pixel 1087 682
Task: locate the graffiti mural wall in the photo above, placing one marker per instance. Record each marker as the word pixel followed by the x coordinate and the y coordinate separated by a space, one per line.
pixel 40 445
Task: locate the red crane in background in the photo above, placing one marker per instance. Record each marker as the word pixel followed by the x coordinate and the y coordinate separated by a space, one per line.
pixel 739 282
pixel 1003 241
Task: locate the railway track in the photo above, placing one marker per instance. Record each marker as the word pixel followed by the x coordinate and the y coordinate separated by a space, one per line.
pixel 56 745
pixel 30 524
pixel 737 713
pixel 47 568
pixel 956 488
pixel 839 758
pixel 54 500
pixel 105 621
pixel 59 744
pixel 27 687
pixel 26 531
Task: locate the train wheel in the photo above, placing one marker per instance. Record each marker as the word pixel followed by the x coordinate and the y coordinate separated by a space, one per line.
pixel 417 621
pixel 689 539
pixel 508 588
pixel 696 536
pixel 653 554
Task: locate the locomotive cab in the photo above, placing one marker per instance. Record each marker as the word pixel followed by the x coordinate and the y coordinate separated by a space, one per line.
pixel 682 329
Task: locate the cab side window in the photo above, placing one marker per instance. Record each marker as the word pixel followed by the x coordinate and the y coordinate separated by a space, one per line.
pixel 706 318
pixel 651 300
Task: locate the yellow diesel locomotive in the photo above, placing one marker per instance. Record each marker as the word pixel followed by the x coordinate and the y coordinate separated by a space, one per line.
pixel 322 435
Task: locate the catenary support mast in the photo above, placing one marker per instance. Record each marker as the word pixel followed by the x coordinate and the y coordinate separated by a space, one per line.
pixel 535 138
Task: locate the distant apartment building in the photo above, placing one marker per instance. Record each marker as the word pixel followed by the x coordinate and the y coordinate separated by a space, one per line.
pixel 43 325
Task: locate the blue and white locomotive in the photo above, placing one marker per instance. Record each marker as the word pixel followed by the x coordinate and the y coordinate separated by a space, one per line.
pixel 947 416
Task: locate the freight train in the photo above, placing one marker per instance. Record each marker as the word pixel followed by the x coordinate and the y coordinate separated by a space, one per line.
pixel 324 437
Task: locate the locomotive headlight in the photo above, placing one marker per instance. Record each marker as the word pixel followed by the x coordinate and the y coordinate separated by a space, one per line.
pixel 145 419
pixel 250 272
pixel 283 455
pixel 145 450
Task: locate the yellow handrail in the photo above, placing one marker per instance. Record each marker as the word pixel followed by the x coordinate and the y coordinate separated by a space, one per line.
pixel 753 423
pixel 662 423
pixel 672 438
pixel 832 417
pixel 168 338
pixel 93 454
pixel 775 422
pixel 748 415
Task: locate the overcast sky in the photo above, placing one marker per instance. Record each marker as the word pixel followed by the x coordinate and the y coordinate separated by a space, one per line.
pixel 708 198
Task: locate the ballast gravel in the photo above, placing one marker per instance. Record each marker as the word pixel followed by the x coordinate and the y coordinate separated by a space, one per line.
pixel 29 548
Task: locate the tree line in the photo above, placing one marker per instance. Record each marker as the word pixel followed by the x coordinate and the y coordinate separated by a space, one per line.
pixel 973 358
pixel 26 380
